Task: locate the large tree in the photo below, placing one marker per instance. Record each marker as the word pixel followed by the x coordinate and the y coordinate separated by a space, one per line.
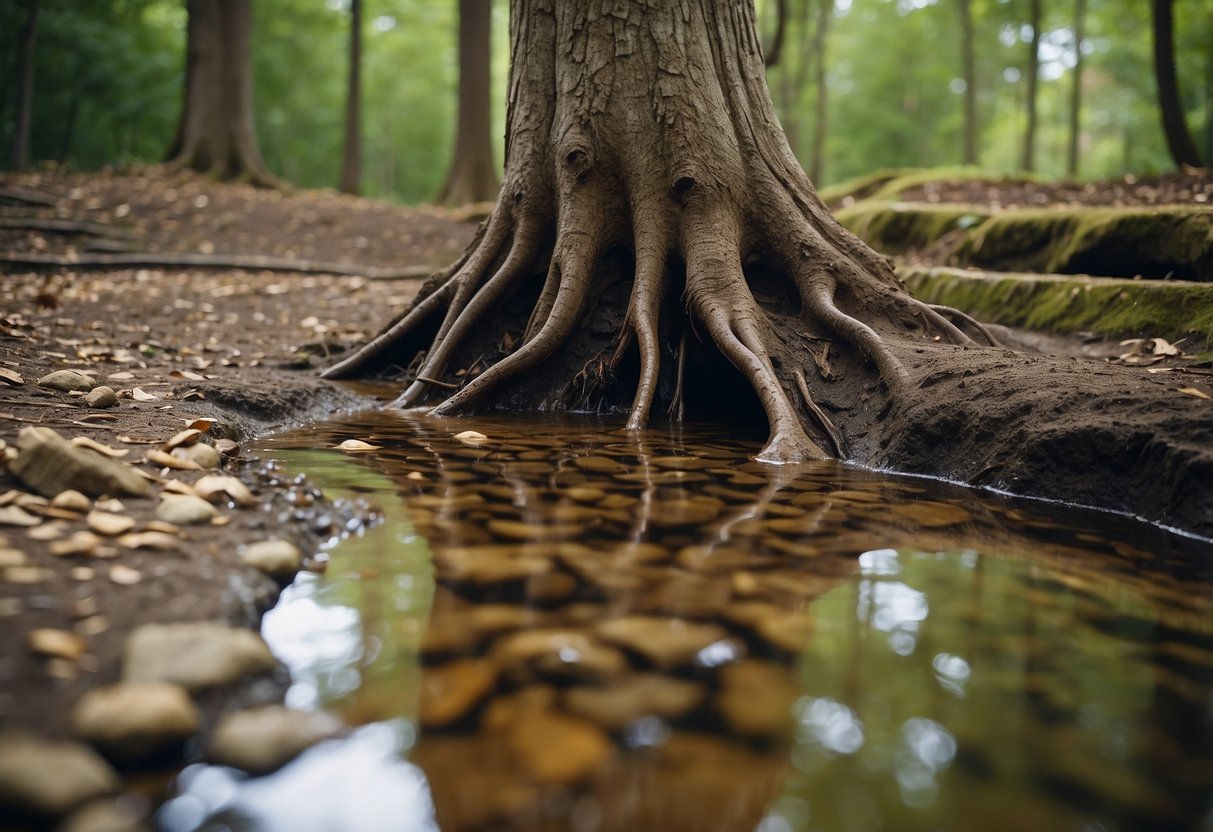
pixel 215 133
pixel 652 220
pixel 19 151
pixel 351 152
pixel 1028 159
pixel 1170 106
pixel 473 175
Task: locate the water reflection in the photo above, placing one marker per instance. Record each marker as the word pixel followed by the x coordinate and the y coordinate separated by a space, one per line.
pixel 647 631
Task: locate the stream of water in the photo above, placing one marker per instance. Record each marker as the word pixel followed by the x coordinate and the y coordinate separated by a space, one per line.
pixel 564 625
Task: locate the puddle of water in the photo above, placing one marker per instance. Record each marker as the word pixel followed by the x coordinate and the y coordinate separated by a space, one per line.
pixel 569 626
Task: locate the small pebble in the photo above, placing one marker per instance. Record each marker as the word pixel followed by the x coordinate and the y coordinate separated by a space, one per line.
pixel 133 720
pixel 101 397
pixel 276 558
pixel 184 510
pixel 67 381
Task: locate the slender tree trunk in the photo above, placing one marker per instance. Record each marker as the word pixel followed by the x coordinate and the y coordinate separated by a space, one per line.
pixel 969 154
pixel 1179 140
pixel 473 176
pixel 19 151
pixel 825 10
pixel 1209 97
pixel 69 127
pixel 1080 13
pixel 1028 162
pixel 215 133
pixel 351 157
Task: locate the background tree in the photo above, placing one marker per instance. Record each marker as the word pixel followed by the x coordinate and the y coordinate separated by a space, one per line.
pixel 645 171
pixel 968 61
pixel 1175 128
pixel 473 175
pixel 1028 162
pixel 1080 13
pixel 19 151
pixel 215 133
pixel 351 155
pixel 821 111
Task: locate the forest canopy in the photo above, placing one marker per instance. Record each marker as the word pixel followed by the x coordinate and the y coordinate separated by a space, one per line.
pixel 108 81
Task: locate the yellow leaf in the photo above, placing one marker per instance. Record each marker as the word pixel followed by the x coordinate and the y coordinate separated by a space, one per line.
pixel 1194 393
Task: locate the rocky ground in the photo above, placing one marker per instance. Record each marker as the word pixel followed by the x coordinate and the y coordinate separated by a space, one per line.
pixel 139 543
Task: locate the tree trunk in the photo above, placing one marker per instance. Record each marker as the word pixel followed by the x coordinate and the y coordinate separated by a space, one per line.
pixel 969 74
pixel 19 151
pixel 654 227
pixel 1028 162
pixel 1080 13
pixel 351 156
pixel 473 176
pixel 825 10
pixel 1179 140
pixel 215 133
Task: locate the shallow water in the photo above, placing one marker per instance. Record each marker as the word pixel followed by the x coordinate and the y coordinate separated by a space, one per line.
pixel 570 626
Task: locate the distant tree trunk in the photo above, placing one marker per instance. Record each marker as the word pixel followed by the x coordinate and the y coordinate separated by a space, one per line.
pixel 351 157
pixel 473 176
pixel 1028 162
pixel 19 152
pixel 1209 100
pixel 1179 140
pixel 216 133
pixel 1080 11
pixel 773 50
pixel 969 70
pixel 825 10
pixel 69 126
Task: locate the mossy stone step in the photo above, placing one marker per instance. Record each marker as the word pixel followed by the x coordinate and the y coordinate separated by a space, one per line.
pixel 1169 241
pixel 1073 303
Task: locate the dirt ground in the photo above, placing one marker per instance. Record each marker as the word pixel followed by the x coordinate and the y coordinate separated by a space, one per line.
pixel 242 348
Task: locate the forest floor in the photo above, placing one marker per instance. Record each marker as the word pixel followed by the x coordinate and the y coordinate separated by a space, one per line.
pixel 235 353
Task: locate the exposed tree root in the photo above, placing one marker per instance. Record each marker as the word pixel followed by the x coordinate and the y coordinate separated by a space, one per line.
pixel 649 221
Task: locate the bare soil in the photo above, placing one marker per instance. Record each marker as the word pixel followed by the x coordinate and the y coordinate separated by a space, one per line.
pixel 244 348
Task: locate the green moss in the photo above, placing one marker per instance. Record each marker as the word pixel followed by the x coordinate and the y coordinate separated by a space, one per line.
pixel 896 227
pixel 1053 303
pixel 861 186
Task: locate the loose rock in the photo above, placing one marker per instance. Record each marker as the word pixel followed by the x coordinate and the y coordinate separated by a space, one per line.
pixel 101 397
pixel 49 779
pixel 135 720
pixel 184 510
pixel 196 655
pixel 756 698
pixel 555 749
pixel 633 698
pixel 110 525
pixel 62 644
pixel 450 691
pixel 67 381
pixel 276 558
pixel 72 500
pixel 201 454
pixel 262 740
pixel 666 642
pixel 49 464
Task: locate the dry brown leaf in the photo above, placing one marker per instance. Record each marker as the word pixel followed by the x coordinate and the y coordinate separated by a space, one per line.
pixel 93 445
pixel 124 375
pixel 9 497
pixel 137 440
pixel 110 525
pixel 80 543
pixel 203 425
pixel 140 395
pixel 1194 392
pixel 48 531
pixel 62 644
pixel 112 505
pixel 10 376
pixel 178 487
pixel 149 540
pixel 209 486
pixel 357 445
pixel 189 436
pixel 169 461
pixel 17 516
pixel 187 374
pixel 72 501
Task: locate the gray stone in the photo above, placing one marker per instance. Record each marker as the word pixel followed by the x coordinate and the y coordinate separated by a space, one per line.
pixel 49 464
pixel 67 381
pixel 184 510
pixel 276 558
pixel 101 397
pixel 196 655
pixel 261 740
pixel 135 720
pixel 49 779
pixel 203 455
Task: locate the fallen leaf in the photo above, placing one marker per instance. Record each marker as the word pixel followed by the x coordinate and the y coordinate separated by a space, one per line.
pixel 203 425
pixel 148 540
pixel 125 375
pixel 17 516
pixel 1194 393
pixel 80 543
pixel 189 436
pixel 139 395
pixel 178 487
pixel 112 505
pixel 169 461
pixel 48 531
pixel 187 374
pixel 93 445
pixel 62 644
pixel 10 377
pixel 72 501
pixel 357 445
pixel 110 525
pixel 209 486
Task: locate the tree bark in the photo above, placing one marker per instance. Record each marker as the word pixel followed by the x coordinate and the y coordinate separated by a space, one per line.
pixel 1028 161
pixel 473 176
pixel 1179 140
pixel 351 156
pixel 19 151
pixel 215 134
pixel 969 155
pixel 1080 14
pixel 825 10
pixel 654 227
